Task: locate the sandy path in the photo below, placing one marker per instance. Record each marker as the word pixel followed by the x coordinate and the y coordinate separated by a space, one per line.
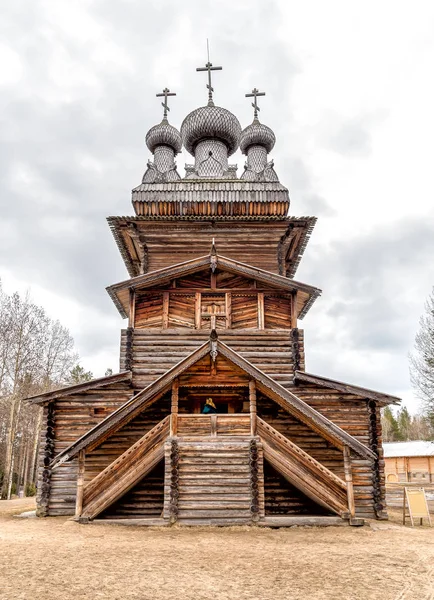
pixel 56 559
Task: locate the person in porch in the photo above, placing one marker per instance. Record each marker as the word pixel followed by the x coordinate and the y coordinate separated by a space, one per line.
pixel 210 407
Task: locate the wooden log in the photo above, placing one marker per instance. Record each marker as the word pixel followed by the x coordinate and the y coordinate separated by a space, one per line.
pixel 349 480
pixel 80 483
pixel 198 310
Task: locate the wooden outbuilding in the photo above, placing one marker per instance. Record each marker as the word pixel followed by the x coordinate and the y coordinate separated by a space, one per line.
pixel 213 312
pixel 410 462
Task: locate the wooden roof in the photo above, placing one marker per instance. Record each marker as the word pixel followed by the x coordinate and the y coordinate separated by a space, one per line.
pixel 292 233
pixel 80 387
pixel 119 292
pixel 286 399
pixel 346 388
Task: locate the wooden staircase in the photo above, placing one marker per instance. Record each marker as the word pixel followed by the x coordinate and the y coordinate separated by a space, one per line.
pixel 124 472
pixel 214 481
pixel 214 472
pixel 303 471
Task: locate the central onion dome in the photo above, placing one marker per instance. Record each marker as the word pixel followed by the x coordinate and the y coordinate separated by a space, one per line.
pixel 211 123
pixel 164 134
pixel 257 134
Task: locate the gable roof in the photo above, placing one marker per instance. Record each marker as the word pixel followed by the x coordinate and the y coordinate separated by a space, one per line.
pixel 80 387
pixel 400 449
pixel 119 292
pixel 346 388
pixel 289 401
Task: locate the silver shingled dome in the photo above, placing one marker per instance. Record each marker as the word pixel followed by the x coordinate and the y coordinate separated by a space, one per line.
pixel 211 122
pixel 164 134
pixel 257 134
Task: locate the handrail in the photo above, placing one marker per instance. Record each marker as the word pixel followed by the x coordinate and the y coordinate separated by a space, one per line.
pixel 264 429
pixel 117 468
pixel 303 471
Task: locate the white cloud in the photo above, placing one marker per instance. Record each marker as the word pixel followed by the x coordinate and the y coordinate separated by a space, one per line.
pixel 349 95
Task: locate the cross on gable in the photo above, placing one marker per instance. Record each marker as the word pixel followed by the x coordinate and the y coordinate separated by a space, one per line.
pixel 255 93
pixel 166 93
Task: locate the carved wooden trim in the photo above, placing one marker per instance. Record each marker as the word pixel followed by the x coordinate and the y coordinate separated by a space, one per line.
pixel 378 493
pixel 48 455
pixel 174 481
pixel 295 348
pixel 254 480
pixel 129 349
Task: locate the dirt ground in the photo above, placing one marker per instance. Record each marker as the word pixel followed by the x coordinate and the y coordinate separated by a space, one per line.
pixel 56 559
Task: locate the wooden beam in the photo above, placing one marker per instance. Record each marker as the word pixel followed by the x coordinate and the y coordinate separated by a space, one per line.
pixel 252 402
pixel 349 480
pixel 261 316
pixel 165 310
pixel 80 484
pixel 198 310
pixel 228 302
pixel 213 280
pixel 174 408
pixel 132 309
pixel 294 311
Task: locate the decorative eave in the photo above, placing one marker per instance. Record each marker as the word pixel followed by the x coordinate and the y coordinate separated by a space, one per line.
pixel 346 388
pixel 289 401
pixel 290 248
pixel 80 388
pixel 119 292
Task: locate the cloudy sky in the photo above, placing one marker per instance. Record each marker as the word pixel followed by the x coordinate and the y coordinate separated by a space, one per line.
pixel 350 95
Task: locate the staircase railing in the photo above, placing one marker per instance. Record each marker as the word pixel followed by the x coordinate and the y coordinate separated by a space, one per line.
pixel 124 472
pixel 303 471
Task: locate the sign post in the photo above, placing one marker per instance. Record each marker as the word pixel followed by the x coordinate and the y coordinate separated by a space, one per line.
pixel 417 505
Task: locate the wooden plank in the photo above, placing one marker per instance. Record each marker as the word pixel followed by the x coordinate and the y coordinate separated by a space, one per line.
pixel 261 317
pixel 80 483
pixel 349 480
pixel 228 299
pixel 198 310
pixel 166 310
pixel 132 308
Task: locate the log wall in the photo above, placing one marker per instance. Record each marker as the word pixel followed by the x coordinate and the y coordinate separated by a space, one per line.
pixel 156 351
pixel 353 415
pixel 74 416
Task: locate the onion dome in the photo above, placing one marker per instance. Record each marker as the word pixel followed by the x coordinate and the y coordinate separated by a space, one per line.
pixel 211 122
pixel 257 134
pixel 164 134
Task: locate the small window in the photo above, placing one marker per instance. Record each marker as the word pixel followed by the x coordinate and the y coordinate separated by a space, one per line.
pixel 99 412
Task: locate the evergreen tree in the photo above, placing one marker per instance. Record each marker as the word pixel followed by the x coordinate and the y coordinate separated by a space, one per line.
pixel 79 375
pixel 390 426
pixel 404 422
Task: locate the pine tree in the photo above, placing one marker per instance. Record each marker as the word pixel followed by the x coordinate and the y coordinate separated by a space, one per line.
pixel 390 426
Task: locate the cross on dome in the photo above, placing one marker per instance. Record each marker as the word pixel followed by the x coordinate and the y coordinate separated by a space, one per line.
pixel 166 93
pixel 255 93
pixel 208 67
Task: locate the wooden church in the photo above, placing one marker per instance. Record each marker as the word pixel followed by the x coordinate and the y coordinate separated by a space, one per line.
pixel 213 314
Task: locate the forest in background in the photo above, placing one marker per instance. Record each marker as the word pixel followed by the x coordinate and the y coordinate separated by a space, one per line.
pixel 36 355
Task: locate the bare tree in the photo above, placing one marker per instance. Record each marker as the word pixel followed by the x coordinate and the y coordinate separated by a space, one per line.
pixel 422 360
pixel 36 354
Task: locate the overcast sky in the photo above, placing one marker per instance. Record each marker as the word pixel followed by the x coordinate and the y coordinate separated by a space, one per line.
pixel 350 96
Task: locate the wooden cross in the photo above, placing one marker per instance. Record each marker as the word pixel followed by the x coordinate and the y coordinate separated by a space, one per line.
pixel 255 93
pixel 208 67
pixel 166 93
